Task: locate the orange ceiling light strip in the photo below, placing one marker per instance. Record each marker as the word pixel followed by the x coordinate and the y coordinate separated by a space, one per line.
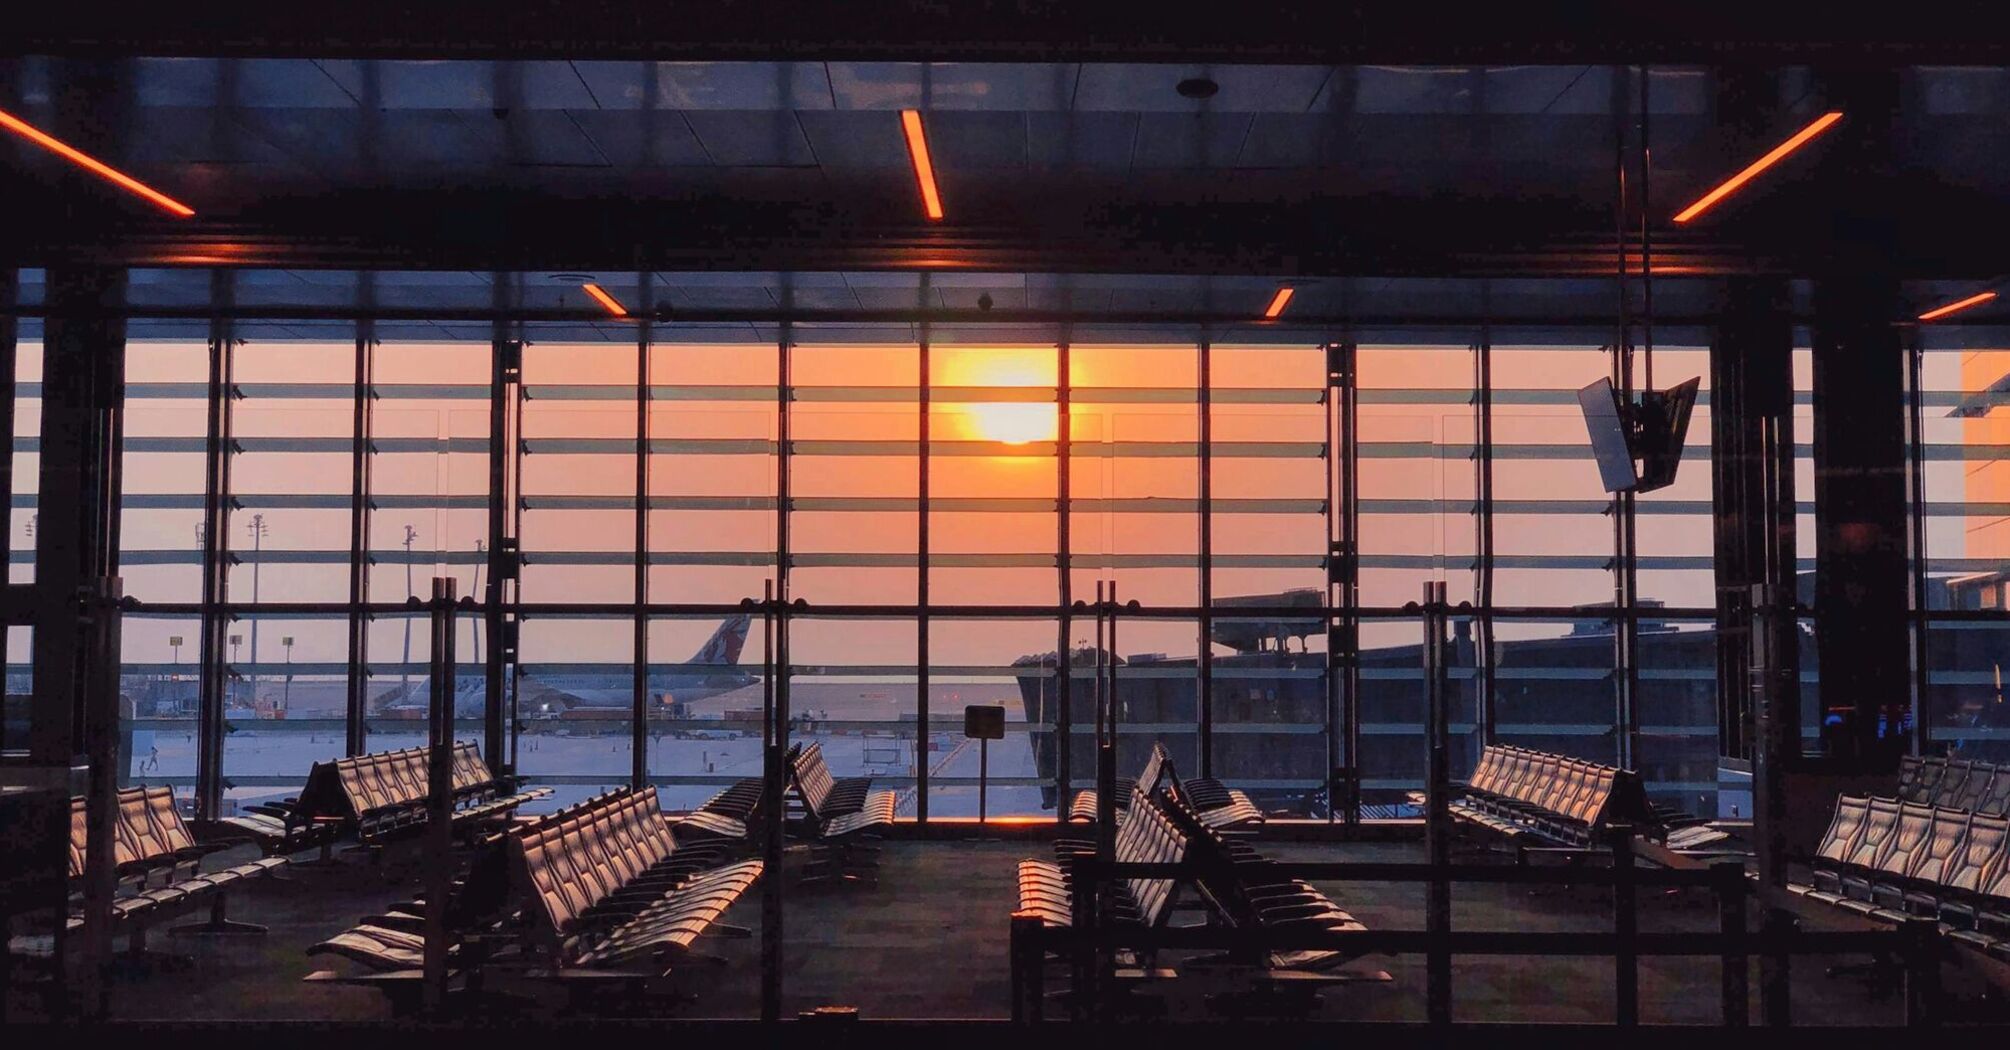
pixel 924 169
pixel 1779 152
pixel 1958 305
pixel 93 165
pixel 612 304
pixel 1279 301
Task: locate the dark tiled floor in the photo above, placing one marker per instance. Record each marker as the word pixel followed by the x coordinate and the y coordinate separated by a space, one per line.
pixel 930 942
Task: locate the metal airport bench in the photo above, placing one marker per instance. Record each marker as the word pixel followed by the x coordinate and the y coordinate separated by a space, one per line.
pixel 837 816
pixel 159 868
pixel 1048 889
pixel 1219 805
pixel 609 888
pixel 383 795
pixel 1893 861
pixel 1545 799
pixel 726 815
pixel 601 891
pixel 1228 877
pixel 1955 784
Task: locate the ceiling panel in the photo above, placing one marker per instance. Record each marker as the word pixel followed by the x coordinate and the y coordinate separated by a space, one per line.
pixel 708 85
pixel 463 85
pixel 1244 89
pixel 759 138
pixel 856 139
pixel 953 85
pixel 962 141
pixel 1070 141
pixel 1190 140
pixel 648 138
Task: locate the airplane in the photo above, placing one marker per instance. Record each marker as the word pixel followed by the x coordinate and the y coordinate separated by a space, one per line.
pixel 671 688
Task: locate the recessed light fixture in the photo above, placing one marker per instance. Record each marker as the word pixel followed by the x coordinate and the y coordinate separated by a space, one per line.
pixel 1956 306
pixel 1779 152
pixel 93 165
pixel 924 169
pixel 1198 87
pixel 612 304
pixel 1279 301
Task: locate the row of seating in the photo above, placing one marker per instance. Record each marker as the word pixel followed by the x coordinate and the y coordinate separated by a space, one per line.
pixel 1218 805
pixel 726 815
pixel 608 885
pixel 1887 859
pixel 837 817
pixel 1527 794
pixel 1163 828
pixel 383 794
pixel 159 866
pixel 605 885
pixel 1955 784
pixel 1047 888
pixel 1247 901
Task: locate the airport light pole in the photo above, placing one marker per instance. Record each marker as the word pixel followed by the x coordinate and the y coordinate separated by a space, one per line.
pixel 481 548
pixel 405 666
pixel 258 530
pixel 286 694
pixel 235 641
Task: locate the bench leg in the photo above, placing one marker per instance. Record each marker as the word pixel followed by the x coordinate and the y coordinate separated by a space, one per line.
pixel 138 959
pixel 218 923
pixel 724 929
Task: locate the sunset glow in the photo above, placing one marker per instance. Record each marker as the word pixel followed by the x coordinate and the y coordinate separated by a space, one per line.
pixel 1005 396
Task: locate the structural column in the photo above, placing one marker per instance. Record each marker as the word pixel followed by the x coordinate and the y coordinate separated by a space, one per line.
pixel 1862 592
pixel 1752 485
pixel 83 391
pixel 75 709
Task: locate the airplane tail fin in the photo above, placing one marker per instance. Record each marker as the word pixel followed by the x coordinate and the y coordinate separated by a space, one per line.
pixel 725 644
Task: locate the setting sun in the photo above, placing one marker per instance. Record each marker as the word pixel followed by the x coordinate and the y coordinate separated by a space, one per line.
pixel 1009 423
pixel 1005 396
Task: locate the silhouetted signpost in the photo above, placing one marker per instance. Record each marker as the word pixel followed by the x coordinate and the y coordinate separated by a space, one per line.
pixel 983 723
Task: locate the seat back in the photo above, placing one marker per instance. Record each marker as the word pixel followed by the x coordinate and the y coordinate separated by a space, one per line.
pixel 1995 799
pixel 167 819
pixel 1158 841
pixel 1158 765
pixel 1983 867
pixel 1879 824
pixel 79 835
pixel 1541 774
pixel 1981 777
pixel 146 843
pixel 1486 772
pixel 1520 767
pixel 1591 807
pixel 1906 845
pixel 1571 775
pixel 1925 783
pixel 1948 835
pixel 1908 774
pixel 323 795
pixel 1845 829
pixel 1951 783
pixel 813 779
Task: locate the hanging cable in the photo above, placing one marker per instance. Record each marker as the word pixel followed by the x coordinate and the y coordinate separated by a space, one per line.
pixel 1646 237
pixel 1620 347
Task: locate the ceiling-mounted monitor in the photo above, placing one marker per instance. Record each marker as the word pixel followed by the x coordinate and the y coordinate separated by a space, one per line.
pixel 1638 445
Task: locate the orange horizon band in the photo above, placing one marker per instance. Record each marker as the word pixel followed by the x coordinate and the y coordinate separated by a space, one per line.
pixel 1279 301
pixel 1752 170
pixel 92 164
pixel 612 304
pixel 1959 304
pixel 924 169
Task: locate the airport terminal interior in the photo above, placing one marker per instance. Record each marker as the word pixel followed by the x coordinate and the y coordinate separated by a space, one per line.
pixel 540 515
